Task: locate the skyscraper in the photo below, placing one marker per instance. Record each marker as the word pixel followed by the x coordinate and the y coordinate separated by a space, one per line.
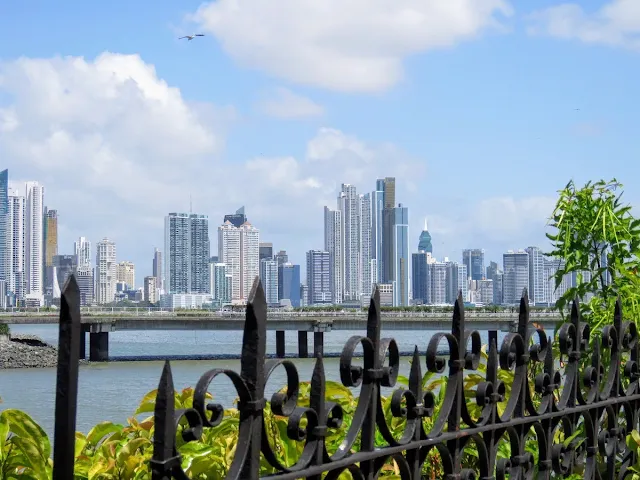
pixel 349 203
pixel 319 288
pixel 50 246
pixel 186 253
pixel 420 277
pixel 199 254
pixel 377 207
pixel 389 188
pixel 333 245
pixel 34 259
pixel 424 243
pixel 15 272
pixel 106 271
pixel 249 258
pixel 239 249
pixel 158 269
pixel 538 284
pixel 473 258
pixel 515 277
pixel 82 249
pixel 281 257
pixel 126 273
pixel 400 271
pixel 289 283
pixel 365 246
pixel 5 252
pixel 269 279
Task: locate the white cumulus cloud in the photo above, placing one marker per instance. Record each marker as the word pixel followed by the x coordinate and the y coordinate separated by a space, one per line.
pixel 616 23
pixel 345 45
pixel 283 103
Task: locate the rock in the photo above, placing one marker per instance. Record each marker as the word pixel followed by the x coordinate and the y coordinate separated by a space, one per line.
pixel 28 351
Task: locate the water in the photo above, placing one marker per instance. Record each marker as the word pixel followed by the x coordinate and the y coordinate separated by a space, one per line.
pixel 112 391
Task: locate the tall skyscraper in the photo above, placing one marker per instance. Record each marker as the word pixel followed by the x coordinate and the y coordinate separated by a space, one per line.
pixel 377 207
pixel 473 258
pixel 319 288
pixel 438 283
pixel 516 276
pixel 158 269
pixel 249 258
pixel 50 246
pixel 186 253
pixel 65 266
pixel 239 249
pixel 221 283
pixel 236 219
pixel 420 277
pixel 333 244
pixel 538 284
pixel 34 259
pixel 266 251
pixel 5 251
pixel 86 284
pixel 457 282
pixel 269 279
pixel 82 249
pixel 199 251
pixel 15 244
pixel 349 203
pixel 401 266
pixel 389 189
pixel 150 290
pixel 106 271
pixel 289 283
pixel 424 243
pixel 365 246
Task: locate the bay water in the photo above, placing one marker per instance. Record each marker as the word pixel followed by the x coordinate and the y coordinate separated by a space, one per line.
pixel 111 391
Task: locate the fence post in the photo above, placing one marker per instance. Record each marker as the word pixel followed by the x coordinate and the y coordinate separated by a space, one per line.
pixel 70 330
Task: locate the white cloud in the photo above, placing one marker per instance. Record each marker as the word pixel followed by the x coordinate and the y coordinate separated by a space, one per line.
pixel 283 103
pixel 617 23
pixel 346 45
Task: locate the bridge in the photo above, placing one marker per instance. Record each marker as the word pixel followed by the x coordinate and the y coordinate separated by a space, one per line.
pixel 99 325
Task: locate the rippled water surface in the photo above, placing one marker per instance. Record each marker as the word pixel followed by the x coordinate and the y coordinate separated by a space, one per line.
pixel 111 391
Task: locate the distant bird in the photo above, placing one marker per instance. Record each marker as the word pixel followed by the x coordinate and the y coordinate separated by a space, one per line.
pixel 191 37
pixel 577 109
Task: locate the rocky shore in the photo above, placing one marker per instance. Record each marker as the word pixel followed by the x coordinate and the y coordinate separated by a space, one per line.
pixel 27 351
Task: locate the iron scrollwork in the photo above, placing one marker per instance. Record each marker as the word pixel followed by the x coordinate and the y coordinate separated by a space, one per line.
pixel 578 411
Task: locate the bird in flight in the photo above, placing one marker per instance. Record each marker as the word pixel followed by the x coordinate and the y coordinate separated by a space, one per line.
pixel 191 37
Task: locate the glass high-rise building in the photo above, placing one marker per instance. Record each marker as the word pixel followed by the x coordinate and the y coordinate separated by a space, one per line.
pixel 34 245
pixel 266 251
pixel 158 269
pixel 388 186
pixel 473 258
pixel 269 279
pixel 420 277
pixel 401 266
pixel 186 253
pixel 319 288
pixel 289 283
pixel 424 242
pixel 236 219
pixel 377 207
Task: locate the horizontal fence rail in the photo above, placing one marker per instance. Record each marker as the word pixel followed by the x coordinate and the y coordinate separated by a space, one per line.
pixel 561 394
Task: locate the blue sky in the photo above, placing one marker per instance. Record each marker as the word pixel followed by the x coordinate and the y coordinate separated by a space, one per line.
pixel 471 104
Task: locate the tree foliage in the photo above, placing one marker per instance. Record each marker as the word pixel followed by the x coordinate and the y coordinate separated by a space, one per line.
pixel 596 239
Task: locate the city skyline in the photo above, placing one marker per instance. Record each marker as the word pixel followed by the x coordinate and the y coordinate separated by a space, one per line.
pixel 479 135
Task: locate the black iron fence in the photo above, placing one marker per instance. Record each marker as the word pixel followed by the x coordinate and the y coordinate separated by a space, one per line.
pixel 569 392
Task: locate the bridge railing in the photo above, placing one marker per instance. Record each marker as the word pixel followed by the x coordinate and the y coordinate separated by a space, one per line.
pixel 593 407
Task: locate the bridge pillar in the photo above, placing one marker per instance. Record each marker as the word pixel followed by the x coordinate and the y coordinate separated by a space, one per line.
pixel 83 345
pixel 303 344
pixel 318 343
pixel 99 347
pixel 280 344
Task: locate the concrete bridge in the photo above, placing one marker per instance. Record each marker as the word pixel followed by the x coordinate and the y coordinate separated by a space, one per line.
pixel 100 325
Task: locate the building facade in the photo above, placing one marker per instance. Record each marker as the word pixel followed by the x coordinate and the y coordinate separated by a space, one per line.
pixel 401 266
pixel 318 277
pixel 150 290
pixel 289 283
pixel 34 235
pixel 186 252
pixel 158 269
pixel 106 271
pixel 333 244
pixel 126 273
pixel 516 276
pixel 473 258
pixel 269 279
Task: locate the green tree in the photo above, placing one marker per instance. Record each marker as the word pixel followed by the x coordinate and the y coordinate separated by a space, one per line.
pixel 597 238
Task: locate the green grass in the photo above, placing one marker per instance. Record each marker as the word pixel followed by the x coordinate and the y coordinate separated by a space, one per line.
pixel 4 329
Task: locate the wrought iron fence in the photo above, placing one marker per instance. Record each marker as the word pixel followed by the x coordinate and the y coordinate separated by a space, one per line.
pixel 593 407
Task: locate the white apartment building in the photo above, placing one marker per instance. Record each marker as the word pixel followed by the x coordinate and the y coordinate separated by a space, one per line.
pixel 15 273
pixel 126 273
pixel 239 249
pixel 82 251
pixel 333 242
pixel 34 239
pixel 106 271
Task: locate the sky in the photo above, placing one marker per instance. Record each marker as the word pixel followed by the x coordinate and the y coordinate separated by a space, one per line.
pixel 481 109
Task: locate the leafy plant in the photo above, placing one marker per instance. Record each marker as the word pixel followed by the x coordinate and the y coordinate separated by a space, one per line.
pixel 4 329
pixel 597 240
